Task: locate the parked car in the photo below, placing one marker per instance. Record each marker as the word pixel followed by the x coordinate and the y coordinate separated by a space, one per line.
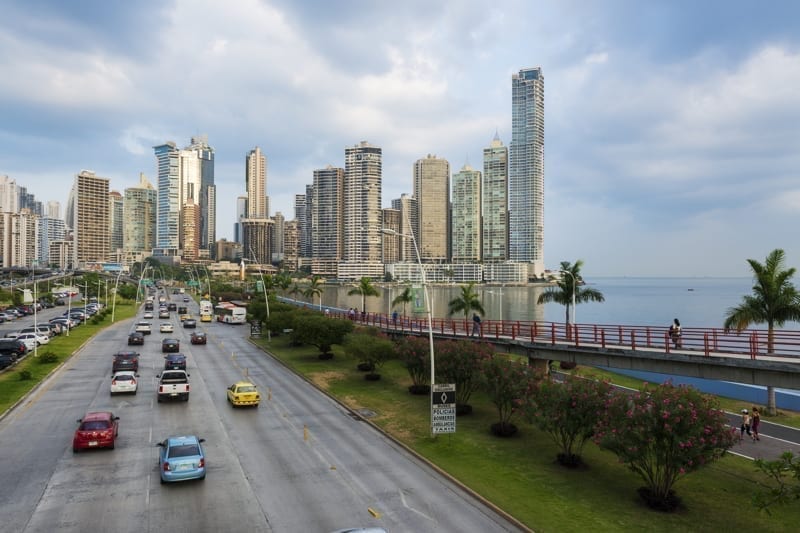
pixel 243 393
pixel 166 327
pixel 96 430
pixel 136 338
pixel 190 323
pixel 181 458
pixel 7 359
pixel 175 361
pixel 36 338
pixel 125 360
pixel 199 337
pixel 13 346
pixel 170 345
pixel 124 381
pixel 28 340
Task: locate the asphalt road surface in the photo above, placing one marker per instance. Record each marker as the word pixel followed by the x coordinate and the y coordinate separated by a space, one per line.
pixel 298 463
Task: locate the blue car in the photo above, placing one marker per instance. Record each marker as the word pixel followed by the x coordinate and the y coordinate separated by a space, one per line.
pixel 181 458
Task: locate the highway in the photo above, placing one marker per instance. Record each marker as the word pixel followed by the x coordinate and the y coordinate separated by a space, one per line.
pixel 299 462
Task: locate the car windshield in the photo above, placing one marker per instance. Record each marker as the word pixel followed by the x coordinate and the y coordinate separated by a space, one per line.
pixel 184 450
pixel 93 425
pixel 124 377
pixel 246 388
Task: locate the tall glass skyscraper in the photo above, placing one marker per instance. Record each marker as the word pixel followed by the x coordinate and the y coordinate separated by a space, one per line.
pixel 495 202
pixel 526 176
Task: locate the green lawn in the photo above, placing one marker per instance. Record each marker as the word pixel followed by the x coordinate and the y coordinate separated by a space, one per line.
pixel 12 388
pixel 520 474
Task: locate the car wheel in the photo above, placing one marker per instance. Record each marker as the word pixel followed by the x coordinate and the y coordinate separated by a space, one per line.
pixel 202 477
pixel 159 399
pixel 161 479
pixel 112 446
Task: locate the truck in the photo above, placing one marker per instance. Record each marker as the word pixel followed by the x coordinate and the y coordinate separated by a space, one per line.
pixel 173 385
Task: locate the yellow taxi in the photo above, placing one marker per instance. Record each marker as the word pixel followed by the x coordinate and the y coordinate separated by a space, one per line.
pixel 185 316
pixel 205 317
pixel 243 393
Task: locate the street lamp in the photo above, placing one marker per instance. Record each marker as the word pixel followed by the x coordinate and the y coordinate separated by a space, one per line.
pixel 114 302
pixel 571 318
pixel 428 303
pixel 263 287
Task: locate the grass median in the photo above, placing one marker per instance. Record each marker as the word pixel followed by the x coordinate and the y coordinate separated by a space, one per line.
pixel 19 380
pixel 520 474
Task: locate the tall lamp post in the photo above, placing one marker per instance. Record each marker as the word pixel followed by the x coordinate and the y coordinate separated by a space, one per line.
pixel 114 301
pixel 263 287
pixel 428 304
pixel 574 284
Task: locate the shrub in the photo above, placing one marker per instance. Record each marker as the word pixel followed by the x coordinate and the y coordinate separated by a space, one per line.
pixel 507 384
pixel 320 331
pixel 370 348
pixel 25 375
pixel 415 353
pixel 460 362
pixel 47 357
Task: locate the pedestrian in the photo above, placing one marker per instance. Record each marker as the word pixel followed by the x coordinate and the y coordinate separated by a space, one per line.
pixel 755 422
pixel 352 313
pixel 675 333
pixel 745 427
pixel 394 318
pixel 476 325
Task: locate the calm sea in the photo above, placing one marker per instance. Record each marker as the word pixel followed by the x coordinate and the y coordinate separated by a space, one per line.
pixel 696 302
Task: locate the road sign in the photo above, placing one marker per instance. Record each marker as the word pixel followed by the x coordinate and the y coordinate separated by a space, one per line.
pixel 443 408
pixel 255 329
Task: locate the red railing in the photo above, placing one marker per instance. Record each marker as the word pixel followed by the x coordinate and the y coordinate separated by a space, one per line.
pixel 707 341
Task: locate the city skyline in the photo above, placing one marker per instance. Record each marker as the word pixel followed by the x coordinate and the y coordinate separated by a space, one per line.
pixel 671 131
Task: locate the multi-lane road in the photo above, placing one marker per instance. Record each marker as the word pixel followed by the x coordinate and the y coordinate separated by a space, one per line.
pixel 299 462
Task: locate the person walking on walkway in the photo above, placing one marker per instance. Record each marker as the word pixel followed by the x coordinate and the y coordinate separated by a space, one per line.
pixel 745 427
pixel 675 333
pixel 755 422
pixel 476 325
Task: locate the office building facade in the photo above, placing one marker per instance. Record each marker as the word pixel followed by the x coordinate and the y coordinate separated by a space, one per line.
pixel 432 191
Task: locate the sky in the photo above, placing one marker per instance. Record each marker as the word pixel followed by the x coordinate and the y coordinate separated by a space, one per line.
pixel 672 127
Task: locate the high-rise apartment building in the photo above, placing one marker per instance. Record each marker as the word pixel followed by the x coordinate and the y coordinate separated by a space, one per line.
pixel 190 220
pixel 300 217
pixel 327 220
pixel 276 237
pixel 307 239
pixel 362 212
pixel 50 230
pixel 92 226
pixel 9 195
pixel 526 173
pixel 256 184
pixel 407 206
pixel 241 213
pixel 494 202
pixel 168 210
pixel 432 191
pixel 466 216
pixel 139 227
pixel 18 235
pixel 392 241
pixel 53 209
pixel 206 197
pixel 291 245
pixel 115 215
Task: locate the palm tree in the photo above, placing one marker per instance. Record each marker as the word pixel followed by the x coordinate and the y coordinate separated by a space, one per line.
pixel 294 290
pixel 562 293
pixel 365 288
pixel 774 301
pixel 466 302
pixel 315 288
pixel 404 298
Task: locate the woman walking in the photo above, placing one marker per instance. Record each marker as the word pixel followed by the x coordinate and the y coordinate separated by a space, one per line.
pixel 755 422
pixel 745 427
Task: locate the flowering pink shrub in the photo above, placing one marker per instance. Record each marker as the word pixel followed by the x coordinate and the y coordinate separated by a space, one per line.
pixel 507 384
pixel 460 362
pixel 415 353
pixel 662 433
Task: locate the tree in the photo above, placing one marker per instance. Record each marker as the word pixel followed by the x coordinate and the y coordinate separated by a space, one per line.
pixel 320 331
pixel 370 347
pixel 562 292
pixel 315 288
pixel 774 301
pixel 416 355
pixel 365 288
pixel 283 280
pixel 663 433
pixel 506 383
pixel 460 362
pixel 568 412
pixel 466 302
pixel 294 290
pixel 783 492
pixel 405 297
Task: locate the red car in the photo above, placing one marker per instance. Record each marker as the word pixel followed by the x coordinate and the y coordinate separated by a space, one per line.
pixel 198 338
pixel 96 430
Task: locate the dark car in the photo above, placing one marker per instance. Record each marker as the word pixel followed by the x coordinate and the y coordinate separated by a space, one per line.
pixel 175 361
pixel 170 345
pixel 13 346
pixel 198 337
pixel 7 359
pixel 171 306
pixel 182 310
pixel 136 338
pixel 190 323
pixel 125 361
pixel 61 301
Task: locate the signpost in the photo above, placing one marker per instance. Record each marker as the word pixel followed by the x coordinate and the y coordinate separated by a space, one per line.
pixel 255 329
pixel 443 408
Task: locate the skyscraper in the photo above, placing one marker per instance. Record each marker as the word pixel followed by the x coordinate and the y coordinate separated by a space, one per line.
pixel 256 183
pixel 494 200
pixel 326 221
pixel 92 227
pixel 169 200
pixel 466 215
pixel 407 206
pixel 115 216
pixel 526 176
pixel 432 191
pixel 139 227
pixel 206 196
pixel 241 213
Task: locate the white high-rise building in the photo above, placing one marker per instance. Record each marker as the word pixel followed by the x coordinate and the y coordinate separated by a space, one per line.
pixel 256 184
pixel 467 215
pixel 494 202
pixel 526 175
pixel 432 191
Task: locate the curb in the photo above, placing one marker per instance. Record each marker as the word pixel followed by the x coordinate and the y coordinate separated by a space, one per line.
pixel 411 451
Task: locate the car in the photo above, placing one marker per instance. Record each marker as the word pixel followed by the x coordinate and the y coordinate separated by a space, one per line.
pixel 190 323
pixel 124 381
pixel 182 310
pixel 172 306
pixel 143 327
pixel 243 393
pixel 38 338
pixel 185 299
pixel 175 361
pixel 60 301
pixel 28 340
pixel 13 347
pixel 7 359
pixel 166 327
pixel 125 360
pixel 136 338
pixel 198 337
pixel 148 314
pixel 205 317
pixel 8 317
pixel 96 430
pixel 181 458
pixel 163 314
pixel 170 345
pixel 185 316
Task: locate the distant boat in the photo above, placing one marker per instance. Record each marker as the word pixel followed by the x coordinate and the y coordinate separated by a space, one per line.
pixel 689 289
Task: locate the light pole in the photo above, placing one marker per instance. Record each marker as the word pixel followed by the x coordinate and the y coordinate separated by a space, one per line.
pixel 428 304
pixel 114 302
pixel 208 280
pixel 571 317
pixel 263 287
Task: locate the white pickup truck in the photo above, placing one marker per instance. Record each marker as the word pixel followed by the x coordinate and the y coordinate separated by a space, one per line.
pixel 173 384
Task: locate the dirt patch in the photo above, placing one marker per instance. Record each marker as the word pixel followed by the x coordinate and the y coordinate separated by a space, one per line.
pixel 323 379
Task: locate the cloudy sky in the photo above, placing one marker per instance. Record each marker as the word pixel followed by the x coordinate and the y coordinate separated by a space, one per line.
pixel 672 127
